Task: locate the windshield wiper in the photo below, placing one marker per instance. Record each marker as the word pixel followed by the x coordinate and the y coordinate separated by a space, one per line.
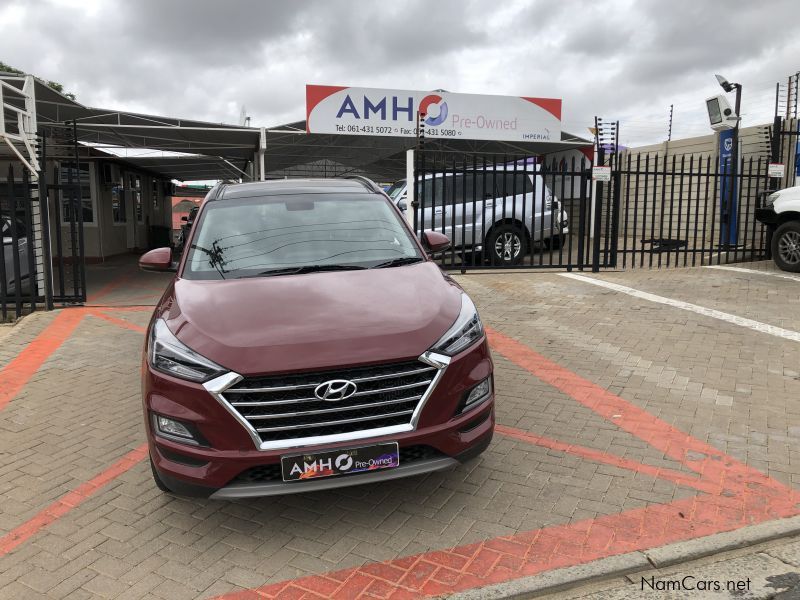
pixel 305 269
pixel 396 262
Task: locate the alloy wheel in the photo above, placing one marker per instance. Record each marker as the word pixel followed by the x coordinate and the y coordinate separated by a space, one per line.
pixel 789 247
pixel 508 246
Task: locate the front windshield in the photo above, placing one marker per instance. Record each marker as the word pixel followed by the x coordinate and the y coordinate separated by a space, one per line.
pixel 396 188
pixel 248 237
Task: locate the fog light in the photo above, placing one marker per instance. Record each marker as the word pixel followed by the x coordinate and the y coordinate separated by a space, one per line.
pixel 171 428
pixel 478 394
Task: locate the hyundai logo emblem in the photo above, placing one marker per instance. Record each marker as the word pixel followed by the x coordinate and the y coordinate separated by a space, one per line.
pixel 335 390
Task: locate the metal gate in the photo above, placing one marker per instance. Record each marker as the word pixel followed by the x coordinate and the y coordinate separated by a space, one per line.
pixel 42 258
pixel 687 210
pixel 66 183
pixel 510 211
pixel 655 211
pixel 18 285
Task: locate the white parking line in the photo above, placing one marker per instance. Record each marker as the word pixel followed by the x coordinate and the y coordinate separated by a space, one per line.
pixel 743 270
pixel 780 332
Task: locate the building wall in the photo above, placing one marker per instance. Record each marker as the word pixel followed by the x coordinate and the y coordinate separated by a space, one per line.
pixel 102 236
pixel 676 197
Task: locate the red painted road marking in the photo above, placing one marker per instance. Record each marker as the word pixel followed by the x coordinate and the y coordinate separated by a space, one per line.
pixel 445 572
pixel 599 456
pixel 18 372
pixel 69 501
pixel 698 456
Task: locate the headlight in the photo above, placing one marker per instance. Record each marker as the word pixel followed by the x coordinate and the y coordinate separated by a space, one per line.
pixel 771 199
pixel 169 355
pixel 467 330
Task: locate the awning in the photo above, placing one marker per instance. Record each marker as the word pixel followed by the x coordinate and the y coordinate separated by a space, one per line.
pixel 189 168
pixel 223 151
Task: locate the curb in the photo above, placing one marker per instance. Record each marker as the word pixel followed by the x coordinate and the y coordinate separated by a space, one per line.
pixel 559 580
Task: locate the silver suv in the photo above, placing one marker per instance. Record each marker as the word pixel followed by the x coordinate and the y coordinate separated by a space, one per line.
pixel 491 212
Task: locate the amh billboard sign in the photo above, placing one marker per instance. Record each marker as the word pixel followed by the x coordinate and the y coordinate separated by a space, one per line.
pixel 367 111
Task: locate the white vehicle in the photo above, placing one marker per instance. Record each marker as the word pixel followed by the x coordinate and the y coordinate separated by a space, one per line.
pixel 489 211
pixel 782 214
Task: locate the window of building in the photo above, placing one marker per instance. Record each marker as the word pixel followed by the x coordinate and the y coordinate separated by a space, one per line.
pixel 118 204
pixel 136 187
pixel 76 182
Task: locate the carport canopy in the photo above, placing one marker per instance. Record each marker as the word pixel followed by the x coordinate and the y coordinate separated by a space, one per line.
pixel 191 150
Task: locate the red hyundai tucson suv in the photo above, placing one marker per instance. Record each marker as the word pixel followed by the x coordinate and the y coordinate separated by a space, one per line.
pixel 307 342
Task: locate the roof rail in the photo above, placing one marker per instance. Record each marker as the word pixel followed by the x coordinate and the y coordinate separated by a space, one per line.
pixel 216 192
pixel 366 182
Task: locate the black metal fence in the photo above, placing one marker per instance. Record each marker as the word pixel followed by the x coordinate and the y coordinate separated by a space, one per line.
pixel 654 211
pixel 680 211
pixel 42 258
pixel 506 211
pixel 18 289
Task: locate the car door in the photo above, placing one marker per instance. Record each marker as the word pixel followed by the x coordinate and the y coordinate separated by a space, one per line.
pixel 429 197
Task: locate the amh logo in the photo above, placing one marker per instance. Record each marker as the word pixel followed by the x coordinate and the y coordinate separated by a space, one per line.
pixel 385 107
pixel 428 101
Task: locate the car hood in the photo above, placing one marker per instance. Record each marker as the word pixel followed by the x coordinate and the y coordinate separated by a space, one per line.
pixel 314 321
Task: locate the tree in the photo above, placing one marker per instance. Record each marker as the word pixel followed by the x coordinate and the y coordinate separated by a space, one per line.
pixel 4 68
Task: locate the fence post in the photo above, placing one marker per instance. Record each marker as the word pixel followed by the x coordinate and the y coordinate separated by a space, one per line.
pixel 44 215
pixel 597 214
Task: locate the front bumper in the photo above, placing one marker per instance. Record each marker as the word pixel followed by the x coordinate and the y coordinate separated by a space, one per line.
pixel 767 216
pixel 213 469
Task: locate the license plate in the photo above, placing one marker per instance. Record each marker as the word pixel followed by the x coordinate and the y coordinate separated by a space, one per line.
pixel 340 462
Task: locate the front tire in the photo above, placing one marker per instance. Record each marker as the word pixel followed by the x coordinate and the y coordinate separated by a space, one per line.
pixel 786 247
pixel 506 245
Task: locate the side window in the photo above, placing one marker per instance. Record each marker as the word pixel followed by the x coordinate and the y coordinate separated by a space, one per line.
pixel 22 231
pixel 513 183
pixel 473 188
pixel 431 192
pixel 443 190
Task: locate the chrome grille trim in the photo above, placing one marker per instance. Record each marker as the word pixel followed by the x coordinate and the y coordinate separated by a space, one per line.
pixel 301 400
pixel 221 386
pixel 332 410
pixel 339 422
pixel 291 388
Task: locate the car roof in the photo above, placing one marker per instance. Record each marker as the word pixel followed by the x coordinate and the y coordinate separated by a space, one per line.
pixel 283 187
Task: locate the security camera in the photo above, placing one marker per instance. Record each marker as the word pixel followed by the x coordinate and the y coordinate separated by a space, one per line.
pixel 726 85
pixel 720 114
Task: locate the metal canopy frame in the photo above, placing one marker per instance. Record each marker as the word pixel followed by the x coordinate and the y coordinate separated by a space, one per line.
pixel 18 118
pixel 204 150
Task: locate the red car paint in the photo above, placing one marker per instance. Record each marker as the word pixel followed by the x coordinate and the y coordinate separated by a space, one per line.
pixel 264 326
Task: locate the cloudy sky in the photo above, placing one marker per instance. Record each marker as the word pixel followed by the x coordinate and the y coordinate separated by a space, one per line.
pixel 626 60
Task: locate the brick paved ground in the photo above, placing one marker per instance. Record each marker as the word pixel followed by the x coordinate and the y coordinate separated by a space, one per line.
pixel 560 463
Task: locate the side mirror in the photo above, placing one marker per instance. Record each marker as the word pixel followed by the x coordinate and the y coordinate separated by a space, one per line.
pixel 185 219
pixel 401 204
pixel 159 259
pixel 435 241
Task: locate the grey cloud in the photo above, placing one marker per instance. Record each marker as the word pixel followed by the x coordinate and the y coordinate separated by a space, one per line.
pixel 203 59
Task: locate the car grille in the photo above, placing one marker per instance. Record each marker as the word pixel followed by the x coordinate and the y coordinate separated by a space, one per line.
pixel 284 407
pixel 267 473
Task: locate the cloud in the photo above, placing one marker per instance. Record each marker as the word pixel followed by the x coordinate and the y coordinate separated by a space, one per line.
pixel 204 59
